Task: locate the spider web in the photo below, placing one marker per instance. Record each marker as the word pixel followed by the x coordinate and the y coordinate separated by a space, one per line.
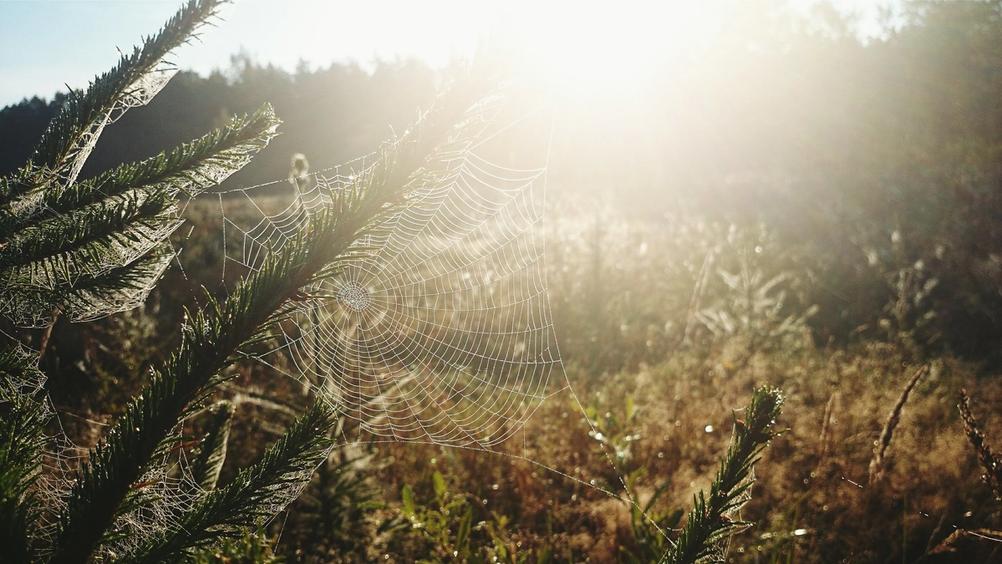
pixel 440 331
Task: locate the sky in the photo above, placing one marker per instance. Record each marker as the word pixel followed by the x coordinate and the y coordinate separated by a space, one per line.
pixel 69 41
pixel 46 44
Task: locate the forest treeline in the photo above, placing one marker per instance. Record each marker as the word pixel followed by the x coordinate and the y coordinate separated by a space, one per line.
pixel 873 166
pixel 335 114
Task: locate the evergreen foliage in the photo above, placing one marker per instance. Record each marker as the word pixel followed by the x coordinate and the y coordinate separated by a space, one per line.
pixel 89 248
pixel 82 249
pixel 254 495
pixel 709 521
pixel 212 452
pixel 133 81
pixel 23 415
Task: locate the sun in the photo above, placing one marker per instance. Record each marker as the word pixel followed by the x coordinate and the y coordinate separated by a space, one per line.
pixel 604 48
pixel 585 48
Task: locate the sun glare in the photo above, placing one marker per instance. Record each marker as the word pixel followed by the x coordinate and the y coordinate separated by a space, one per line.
pixel 581 50
pixel 606 48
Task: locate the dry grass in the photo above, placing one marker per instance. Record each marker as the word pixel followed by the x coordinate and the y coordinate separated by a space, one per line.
pixel 662 385
pixel 812 502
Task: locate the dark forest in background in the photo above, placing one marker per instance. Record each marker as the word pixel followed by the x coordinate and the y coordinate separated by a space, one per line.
pixel 875 166
pixel 333 114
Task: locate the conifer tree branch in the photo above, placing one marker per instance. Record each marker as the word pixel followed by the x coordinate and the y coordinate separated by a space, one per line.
pixel 709 520
pixel 18 183
pixel 253 494
pixel 132 82
pixel 189 168
pixel 66 233
pixel 208 341
pixel 95 263
pixel 22 421
pixel 92 297
pixel 87 235
pixel 213 335
pixel 212 452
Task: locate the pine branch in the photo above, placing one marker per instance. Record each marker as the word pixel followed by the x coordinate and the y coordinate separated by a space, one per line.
pixel 19 183
pixel 208 342
pixel 254 495
pixel 190 168
pixel 91 297
pixel 212 452
pixel 136 78
pixel 97 260
pixel 22 441
pixel 66 233
pixel 709 520
pixel 212 337
pixel 91 232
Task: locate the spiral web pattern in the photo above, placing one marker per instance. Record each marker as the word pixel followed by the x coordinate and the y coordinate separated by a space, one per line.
pixel 440 330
